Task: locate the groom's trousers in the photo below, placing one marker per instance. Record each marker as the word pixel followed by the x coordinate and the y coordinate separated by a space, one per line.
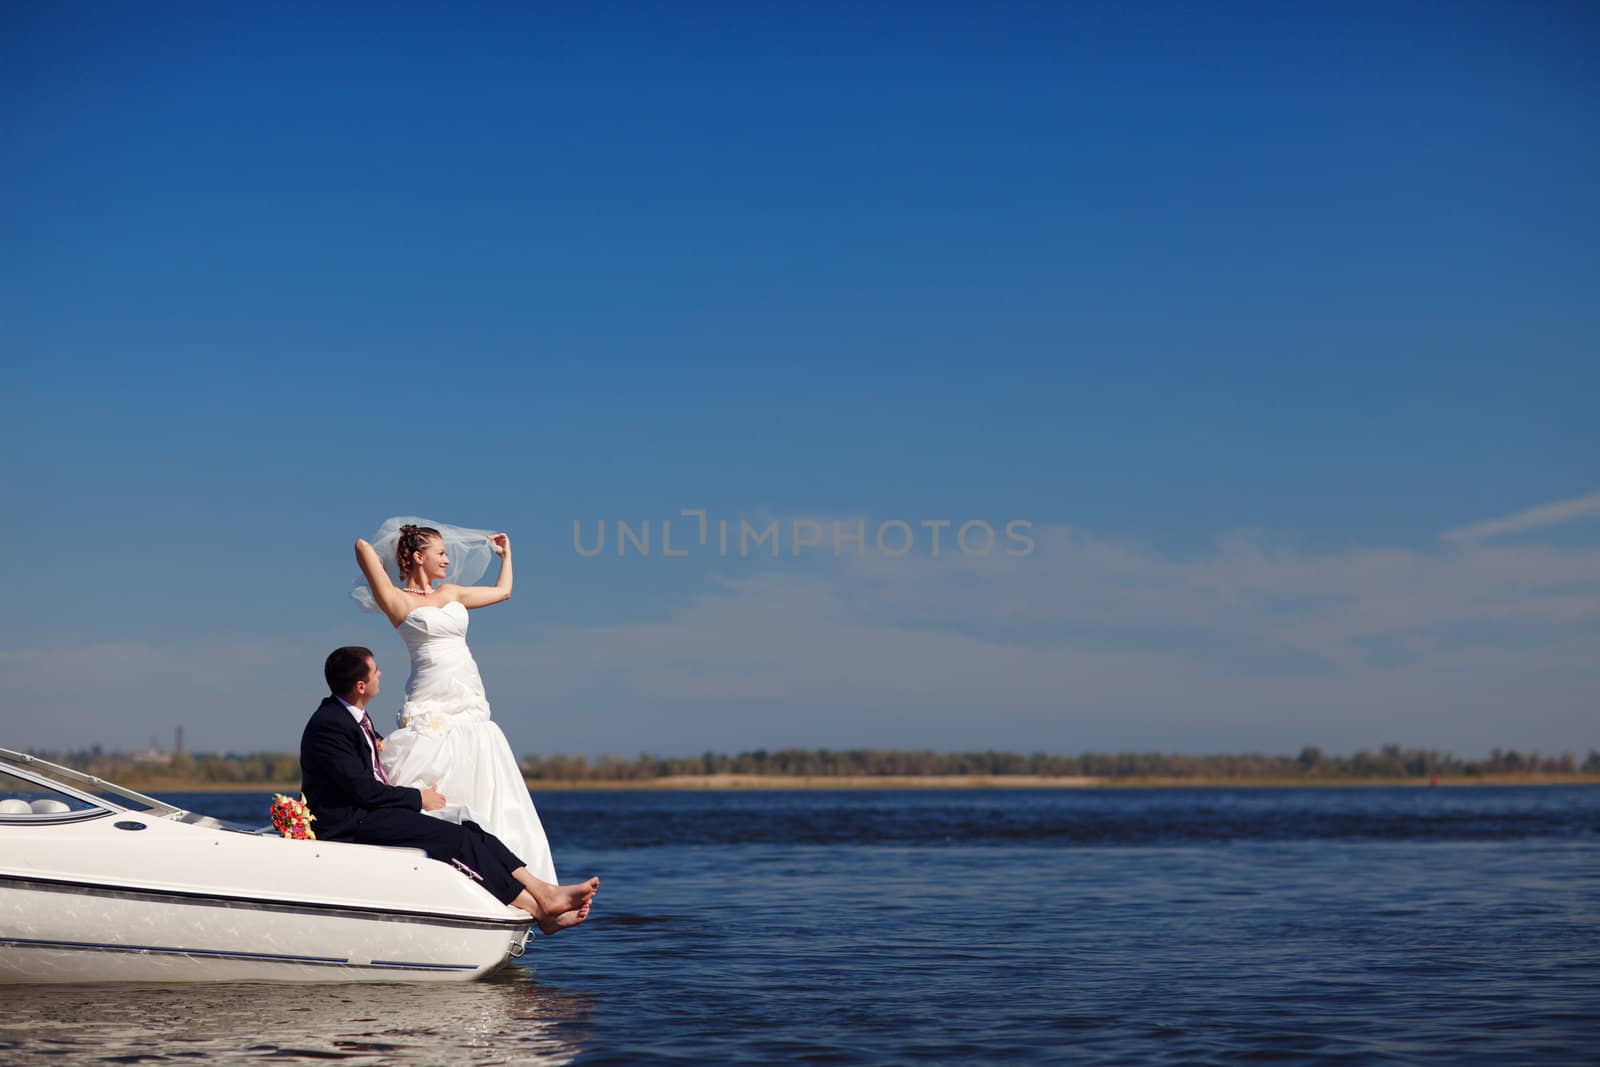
pixel 469 847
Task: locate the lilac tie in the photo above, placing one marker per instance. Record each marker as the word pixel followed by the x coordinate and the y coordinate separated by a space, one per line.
pixel 372 738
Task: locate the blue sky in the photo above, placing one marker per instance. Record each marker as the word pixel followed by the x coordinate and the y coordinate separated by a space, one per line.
pixel 1245 311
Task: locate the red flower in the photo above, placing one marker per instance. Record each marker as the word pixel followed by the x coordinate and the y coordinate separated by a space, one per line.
pixel 291 817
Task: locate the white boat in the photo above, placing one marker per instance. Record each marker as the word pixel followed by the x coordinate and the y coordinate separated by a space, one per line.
pixel 102 884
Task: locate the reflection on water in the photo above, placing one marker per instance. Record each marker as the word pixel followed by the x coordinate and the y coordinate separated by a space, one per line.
pixel 508 1018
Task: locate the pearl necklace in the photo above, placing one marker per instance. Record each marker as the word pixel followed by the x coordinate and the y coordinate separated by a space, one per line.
pixel 419 592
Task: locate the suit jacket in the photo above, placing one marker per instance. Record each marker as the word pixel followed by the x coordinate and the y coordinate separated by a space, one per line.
pixel 336 774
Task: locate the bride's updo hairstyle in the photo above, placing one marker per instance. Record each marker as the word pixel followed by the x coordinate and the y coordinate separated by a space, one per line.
pixel 400 536
pixel 413 538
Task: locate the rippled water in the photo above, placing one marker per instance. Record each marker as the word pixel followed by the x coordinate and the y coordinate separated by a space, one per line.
pixel 1208 926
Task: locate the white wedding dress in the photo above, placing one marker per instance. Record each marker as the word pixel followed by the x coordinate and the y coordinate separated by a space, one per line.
pixel 446 740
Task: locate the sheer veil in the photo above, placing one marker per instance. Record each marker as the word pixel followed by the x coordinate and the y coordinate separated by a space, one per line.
pixel 469 551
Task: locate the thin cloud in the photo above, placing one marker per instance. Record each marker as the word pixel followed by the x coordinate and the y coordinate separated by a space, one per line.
pixel 1089 643
pixel 1531 519
pixel 1086 643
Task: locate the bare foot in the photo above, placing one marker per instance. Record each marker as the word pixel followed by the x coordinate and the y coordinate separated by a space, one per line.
pixel 566 919
pixel 554 900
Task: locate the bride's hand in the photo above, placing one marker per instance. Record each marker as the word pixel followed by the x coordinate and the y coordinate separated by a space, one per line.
pixel 499 544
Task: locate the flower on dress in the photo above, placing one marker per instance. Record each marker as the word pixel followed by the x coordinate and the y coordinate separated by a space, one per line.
pixel 425 722
pixel 291 817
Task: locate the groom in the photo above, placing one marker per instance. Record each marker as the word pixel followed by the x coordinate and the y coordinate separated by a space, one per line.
pixel 347 789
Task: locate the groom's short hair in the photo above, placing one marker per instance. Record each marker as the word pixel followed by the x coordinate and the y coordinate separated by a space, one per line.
pixel 345 667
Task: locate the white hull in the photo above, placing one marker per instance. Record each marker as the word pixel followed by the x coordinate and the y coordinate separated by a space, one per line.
pixel 145 896
pixel 59 933
pixel 68 966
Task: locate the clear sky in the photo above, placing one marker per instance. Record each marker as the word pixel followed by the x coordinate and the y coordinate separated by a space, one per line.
pixel 1256 315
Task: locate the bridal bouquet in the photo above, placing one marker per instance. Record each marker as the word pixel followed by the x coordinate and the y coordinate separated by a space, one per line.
pixel 291 817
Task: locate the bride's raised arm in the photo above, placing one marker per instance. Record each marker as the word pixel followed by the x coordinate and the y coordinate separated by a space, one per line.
pixel 481 596
pixel 390 600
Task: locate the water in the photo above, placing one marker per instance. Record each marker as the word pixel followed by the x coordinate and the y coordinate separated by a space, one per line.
pixel 1442 926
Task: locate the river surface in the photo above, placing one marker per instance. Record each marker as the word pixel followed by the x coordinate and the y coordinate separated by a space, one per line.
pixel 1318 926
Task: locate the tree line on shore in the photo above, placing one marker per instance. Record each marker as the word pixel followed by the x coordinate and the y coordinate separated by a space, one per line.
pixel 1311 764
pixel 1391 761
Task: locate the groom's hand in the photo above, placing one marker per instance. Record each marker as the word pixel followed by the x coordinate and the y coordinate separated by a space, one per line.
pixel 432 799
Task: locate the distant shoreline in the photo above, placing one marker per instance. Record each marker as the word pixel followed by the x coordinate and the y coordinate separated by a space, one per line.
pixel 780 783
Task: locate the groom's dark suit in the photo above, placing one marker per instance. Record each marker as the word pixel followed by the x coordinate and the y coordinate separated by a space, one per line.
pixel 352 805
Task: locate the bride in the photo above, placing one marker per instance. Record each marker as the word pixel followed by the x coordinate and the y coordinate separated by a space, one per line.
pixel 445 738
